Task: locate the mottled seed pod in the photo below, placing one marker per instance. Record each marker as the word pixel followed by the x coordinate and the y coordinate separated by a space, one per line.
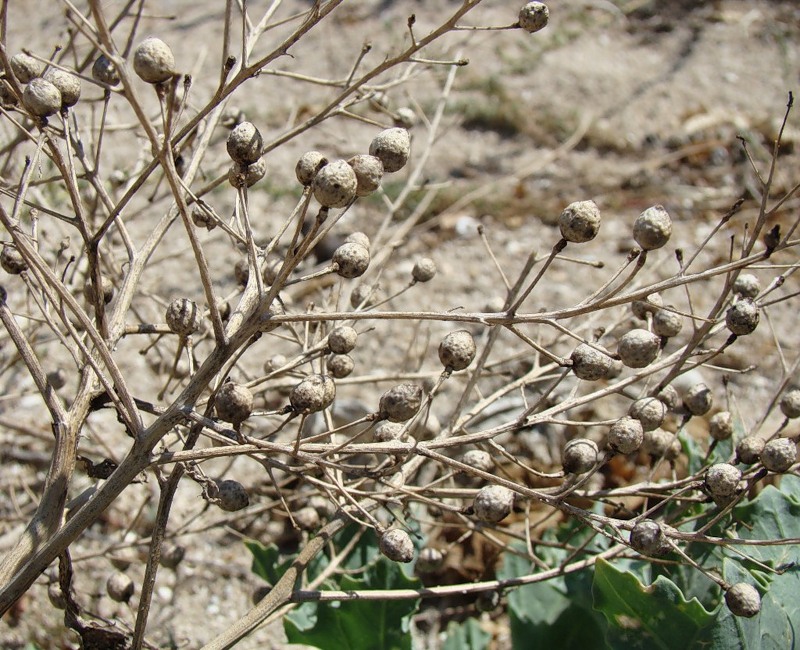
pixel 358 238
pixel 698 400
pixel 589 363
pixel 342 339
pixel 231 495
pixel 743 600
pixel 638 348
pixel 580 221
pixel 747 285
pixel 647 537
pixel 392 146
pixel 493 503
pixel 720 426
pixel 650 305
pixel 11 261
pixel 667 323
pixel 25 67
pixel 339 365
pixel 405 117
pixel 790 403
pixel 57 378
pixel 722 480
pixel 245 144
pixel 626 435
pixel 579 456
pixel 335 184
pixel 67 83
pixel 313 394
pixel 742 317
pixel 41 98
pixel 657 442
pixel 534 16
pixel 650 411
pixel 104 71
pixel 457 350
pixel 241 271
pixel 478 459
pixel 231 116
pixel 669 395
pixel 56 596
pixel 240 176
pixel 120 587
pixel 652 228
pixel 307 518
pixel 308 166
pixel 233 403
pixel 424 270
pixel 352 260
pixel 105 286
pixel 362 297
pixel 429 560
pixel 749 448
pixel 386 431
pixel 369 173
pixel 153 61
pixel 396 545
pixel 400 403
pixel 183 316
pixel 779 455
pixel 202 218
pixel 172 555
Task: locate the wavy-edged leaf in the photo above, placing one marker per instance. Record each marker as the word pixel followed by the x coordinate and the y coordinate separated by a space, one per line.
pixel 468 635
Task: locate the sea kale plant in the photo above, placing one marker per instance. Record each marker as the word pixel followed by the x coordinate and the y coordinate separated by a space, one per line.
pixel 202 295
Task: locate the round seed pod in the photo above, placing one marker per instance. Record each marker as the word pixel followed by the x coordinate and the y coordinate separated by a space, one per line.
pixel 400 403
pixel 56 596
pixel 493 503
pixel 307 518
pixel 172 555
pixel 650 305
pixel 790 403
pixel 669 395
pixel 424 270
pixel 41 98
pixel 120 587
pixel 742 318
pixel 339 365
pixel 626 435
pixel 351 259
pixel 479 459
pixel 182 316
pixel 231 495
pixel 342 339
pixel 396 545
pixel 369 172
pixel 240 176
pixel 271 270
pixel 7 96
pixel 386 431
pixel 698 400
pixel 457 350
pixel 245 144
pixel 68 85
pixel 308 166
pixel 743 599
pixel 335 184
pixel 315 393
pixel 657 442
pixel 647 537
pixel 153 61
pixel 487 601
pixel 589 363
pixel 779 455
pixel 722 480
pixel 104 71
pixel 25 67
pixel 720 426
pixel 747 285
pixel 579 456
pixel 650 411
pixel 749 448
pixel 533 17
pixel 358 238
pixel 363 296
pixel 638 348
pixel 580 221
pixel 11 261
pixel 405 117
pixel 231 116
pixel 653 228
pixel 429 560
pixel 233 403
pixel 57 378
pixel 667 323
pixel 392 146
pixel 203 219
pixel 241 271
pixel 105 286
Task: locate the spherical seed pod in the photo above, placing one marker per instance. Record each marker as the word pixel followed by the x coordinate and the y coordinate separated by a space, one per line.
pixel 534 16
pixel 231 116
pixel 335 184
pixel 429 560
pixel 424 270
pixel 580 221
pixel 722 480
pixel 308 166
pixel 386 431
pixel 315 393
pixel 351 259
pixel 57 378
pixel 650 305
pixel 647 537
pixel 7 96
pixel 650 411
pixel 790 403
pixel 203 219
pixel 183 316
pixel 396 545
pixel 579 456
pixel 104 71
pixel 342 339
pixel 11 261
pixel 362 297
pixel 626 435
pixel 369 173
pixel 172 555
pixel 493 503
pixel 231 495
pixel 457 350
pixel 749 448
pixel 25 67
pixel 233 403
pixel 478 459
pixel 720 426
pixel 747 285
pixel 240 176
pixel 153 61
pixel 358 238
pixel 241 271
pixel 105 286
pixel 743 600
pixel 779 455
pixel 487 601
pixel 405 117
pixel 653 228
pixel 56 596
pixel 339 365
pixel 698 400
pixel 68 85
pixel 742 317
pixel 657 442
pixel 41 98
pixel 667 323
pixel 400 403
pixel 669 395
pixel 638 348
pixel 589 363
pixel 120 587
pixel 245 144
pixel 271 270
pixel 307 518
pixel 392 146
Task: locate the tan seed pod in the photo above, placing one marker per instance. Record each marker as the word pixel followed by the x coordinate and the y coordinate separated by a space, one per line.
pixel 647 537
pixel 67 83
pixel 57 378
pixel 231 495
pixel 650 411
pixel 25 67
pixel 747 285
pixel 386 431
pixel 667 323
pixel 240 176
pixel 650 305
pixel 669 395
pixel 742 317
pixel 351 260
pixel 534 16
pixel 743 600
pixel 104 71
pixel 493 503
pixel 172 555
pixel 339 365
pixel 56 596
pixel 653 228
pixel 429 560
pixel 638 348
pixel 120 587
pixel 270 271
pixel 749 448
pixel 698 400
pixel 720 426
pixel 779 455
pixel 245 144
pixel 392 147
pixel 153 61
pixel 183 316
pixel 11 261
pixel 41 98
pixel 335 184
pixel 105 286
pixel 722 480
pixel 790 404
pixel 579 456
pixel 369 172
pixel 342 339
pixel 363 297
pixel 307 518
pixel 457 350
pixel 307 167
pixel 589 363
pixel 396 545
pixel 358 238
pixel 202 218
pixel 626 435
pixel 479 459
pixel 580 221
pixel 400 403
pixel 233 403
pixel 657 442
pixel 405 117
pixel 424 270
pixel 241 271
pixel 314 393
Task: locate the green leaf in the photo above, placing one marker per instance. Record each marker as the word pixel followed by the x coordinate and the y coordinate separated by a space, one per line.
pixel 466 636
pixel 267 562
